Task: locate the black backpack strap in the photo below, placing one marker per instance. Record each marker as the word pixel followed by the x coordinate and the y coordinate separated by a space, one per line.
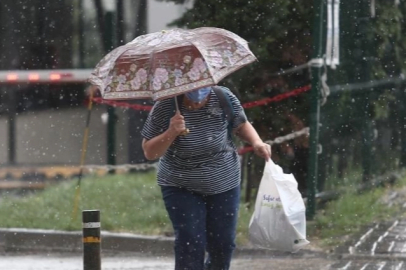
pixel 226 105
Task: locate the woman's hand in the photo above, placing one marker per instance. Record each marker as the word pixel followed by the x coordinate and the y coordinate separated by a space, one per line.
pixel 262 149
pixel 157 146
pixel 177 124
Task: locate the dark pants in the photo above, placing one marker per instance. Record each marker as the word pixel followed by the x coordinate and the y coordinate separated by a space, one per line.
pixel 202 223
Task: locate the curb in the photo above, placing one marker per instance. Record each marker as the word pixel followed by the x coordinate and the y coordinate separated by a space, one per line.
pixel 36 240
pixel 27 240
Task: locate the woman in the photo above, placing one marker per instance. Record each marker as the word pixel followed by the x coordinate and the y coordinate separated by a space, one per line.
pixel 199 173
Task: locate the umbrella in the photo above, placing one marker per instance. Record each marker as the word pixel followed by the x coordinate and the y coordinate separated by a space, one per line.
pixel 169 63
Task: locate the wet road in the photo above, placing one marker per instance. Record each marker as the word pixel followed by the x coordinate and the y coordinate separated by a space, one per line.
pixel 381 247
pixel 119 262
pixel 63 262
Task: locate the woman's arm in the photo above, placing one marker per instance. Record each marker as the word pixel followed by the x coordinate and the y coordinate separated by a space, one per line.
pixel 247 133
pixel 157 146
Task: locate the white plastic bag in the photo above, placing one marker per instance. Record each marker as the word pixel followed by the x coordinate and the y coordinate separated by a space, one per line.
pixel 279 219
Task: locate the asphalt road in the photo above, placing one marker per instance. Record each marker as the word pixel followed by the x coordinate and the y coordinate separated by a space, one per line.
pixel 74 262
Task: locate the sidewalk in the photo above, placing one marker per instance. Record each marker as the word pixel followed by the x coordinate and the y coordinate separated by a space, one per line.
pixel 137 262
pixel 383 247
pixel 28 240
pixel 26 249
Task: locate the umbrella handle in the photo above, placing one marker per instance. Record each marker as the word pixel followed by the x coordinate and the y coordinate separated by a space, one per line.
pixel 186 131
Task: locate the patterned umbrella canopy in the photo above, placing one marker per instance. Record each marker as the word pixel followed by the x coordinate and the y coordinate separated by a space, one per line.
pixel 168 63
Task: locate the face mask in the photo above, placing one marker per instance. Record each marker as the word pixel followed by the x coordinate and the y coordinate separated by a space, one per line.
pixel 198 95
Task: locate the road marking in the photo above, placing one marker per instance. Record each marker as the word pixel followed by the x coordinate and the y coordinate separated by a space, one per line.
pixel 399 267
pixel 351 249
pixel 346 266
pixel 392 244
pixel 365 266
pixel 381 265
pixel 375 244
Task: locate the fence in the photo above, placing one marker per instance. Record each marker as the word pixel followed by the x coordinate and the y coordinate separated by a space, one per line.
pixel 346 158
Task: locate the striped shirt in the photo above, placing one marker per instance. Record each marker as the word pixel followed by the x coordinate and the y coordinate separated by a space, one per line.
pixel 205 160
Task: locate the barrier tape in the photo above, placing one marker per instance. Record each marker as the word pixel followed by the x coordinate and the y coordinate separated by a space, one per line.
pixel 277 98
pixel 293 69
pixel 113 103
pixel 247 105
pixel 144 166
pixel 278 140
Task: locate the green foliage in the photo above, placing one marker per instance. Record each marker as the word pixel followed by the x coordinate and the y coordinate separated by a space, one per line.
pixel 127 203
pixel 278 33
pixel 351 213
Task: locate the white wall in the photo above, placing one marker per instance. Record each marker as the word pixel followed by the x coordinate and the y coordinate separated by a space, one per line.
pixel 55 137
pixel 162 13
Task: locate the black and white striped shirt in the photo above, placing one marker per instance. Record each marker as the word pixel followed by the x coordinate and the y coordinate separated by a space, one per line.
pixel 206 159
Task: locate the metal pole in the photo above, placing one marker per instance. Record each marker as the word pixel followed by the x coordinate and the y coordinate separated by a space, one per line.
pixel 401 102
pixel 402 124
pixel 120 25
pixel 365 76
pixel 81 36
pixel 91 240
pixel 12 113
pixel 111 111
pixel 136 119
pixel 316 67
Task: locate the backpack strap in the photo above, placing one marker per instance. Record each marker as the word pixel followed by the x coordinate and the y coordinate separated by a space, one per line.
pixel 225 104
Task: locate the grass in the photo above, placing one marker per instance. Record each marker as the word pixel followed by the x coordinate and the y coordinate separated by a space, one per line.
pixel 133 203
pixel 127 203
pixel 339 219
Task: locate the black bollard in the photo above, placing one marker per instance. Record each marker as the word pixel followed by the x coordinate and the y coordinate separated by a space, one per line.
pixel 91 240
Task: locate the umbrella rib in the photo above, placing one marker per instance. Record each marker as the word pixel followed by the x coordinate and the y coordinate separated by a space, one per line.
pixel 208 68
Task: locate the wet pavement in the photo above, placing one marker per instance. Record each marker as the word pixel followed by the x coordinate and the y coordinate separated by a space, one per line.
pixel 368 265
pixel 386 239
pixel 63 262
pixel 52 261
pixel 379 247
pixel 382 247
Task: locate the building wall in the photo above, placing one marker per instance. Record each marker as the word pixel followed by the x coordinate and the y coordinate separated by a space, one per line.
pixel 55 137
pixel 160 14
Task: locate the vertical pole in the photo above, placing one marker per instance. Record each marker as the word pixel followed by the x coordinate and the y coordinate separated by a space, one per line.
pixel 317 64
pixel 111 111
pixel 250 177
pixel 12 112
pixel 81 36
pixel 142 19
pixel 136 119
pixel 402 124
pixel 91 240
pixel 364 61
pixel 402 99
pixel 120 26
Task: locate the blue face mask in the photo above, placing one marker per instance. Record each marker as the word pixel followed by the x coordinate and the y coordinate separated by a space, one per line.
pixel 198 95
